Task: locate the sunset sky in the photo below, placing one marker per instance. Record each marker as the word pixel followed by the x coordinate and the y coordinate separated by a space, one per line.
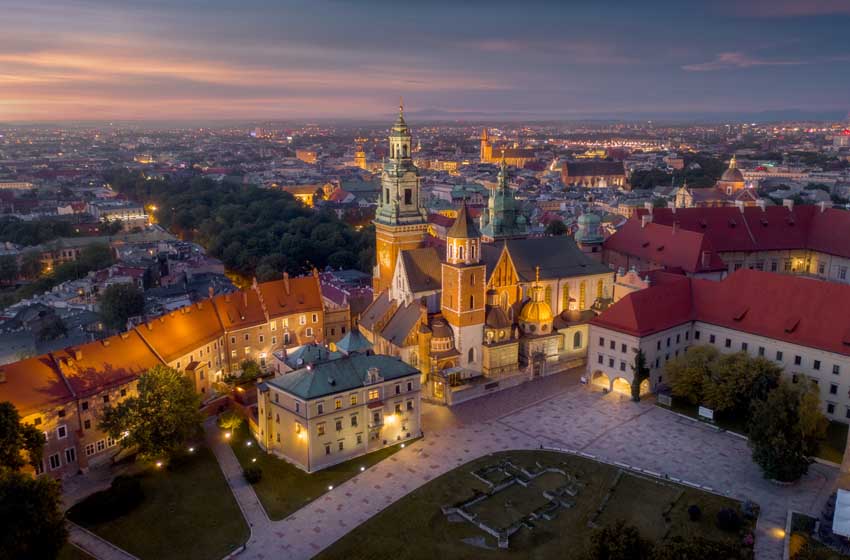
pixel 254 59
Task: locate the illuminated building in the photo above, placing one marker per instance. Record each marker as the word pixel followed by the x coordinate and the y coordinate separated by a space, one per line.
pixel 516 157
pixel 307 156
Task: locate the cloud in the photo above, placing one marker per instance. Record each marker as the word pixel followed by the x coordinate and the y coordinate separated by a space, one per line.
pixel 790 8
pixel 734 60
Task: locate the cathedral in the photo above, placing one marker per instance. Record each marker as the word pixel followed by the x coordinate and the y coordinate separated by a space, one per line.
pixel 730 190
pixel 487 305
pixel 518 157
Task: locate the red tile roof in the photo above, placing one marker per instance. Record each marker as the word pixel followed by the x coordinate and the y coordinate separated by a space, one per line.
pixel 774 228
pixel 34 385
pixel 797 310
pixel 667 246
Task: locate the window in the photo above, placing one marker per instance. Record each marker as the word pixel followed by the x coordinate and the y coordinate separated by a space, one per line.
pixel 315 317
pixel 354 421
pixel 798 360
pixel 836 369
pixel 376 418
pixel 232 340
pixel 105 398
pixel 398 408
pixel 124 392
pixel 341 445
pixel 678 338
pixel 302 320
pixel 577 340
pixel 247 337
pixel 668 342
pixel 409 405
pixel 728 343
pixel 696 335
pixel 711 339
pixel 274 340
pixel 273 326
pixel 277 418
pixel 623 348
pixel 744 346
pixel 658 345
pixel 70 455
pixel 85 405
pixel 795 378
pixel 87 424
pixel 337 404
pixel 309 331
pixel 338 425
pixel 320 408
pixel 374 394
pixel 600 359
pixel 622 366
pixel 62 432
pixel 89 450
pixel 37 421
pixel 359 439
pixel 55 462
pixel 409 385
pixel 278 437
pixel 830 408
pixel 262 339
pixel 613 345
pixel 320 428
pixel 397 389
pixel 286 338
pixel 778 355
pixel 327 449
pixel 761 350
pixel 601 341
pixel 833 389
pixel 297 406
pixel 774 266
pixel 610 362
pixel 353 400
pixel 816 364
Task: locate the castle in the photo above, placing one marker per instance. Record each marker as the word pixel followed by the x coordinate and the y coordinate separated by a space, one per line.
pixel 490 304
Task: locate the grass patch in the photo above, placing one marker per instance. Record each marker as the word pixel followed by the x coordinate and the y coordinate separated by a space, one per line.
pixel 803 546
pixel 71 552
pixel 415 527
pixel 284 488
pixel 832 447
pixel 187 512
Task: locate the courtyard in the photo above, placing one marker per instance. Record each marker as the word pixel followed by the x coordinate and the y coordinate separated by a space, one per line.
pixel 417 525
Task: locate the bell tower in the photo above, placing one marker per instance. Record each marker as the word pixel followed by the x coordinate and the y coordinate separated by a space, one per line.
pixel 400 220
pixel 463 285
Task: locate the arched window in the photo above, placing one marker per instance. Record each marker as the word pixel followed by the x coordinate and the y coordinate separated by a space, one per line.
pixel 548 297
pixel 387 196
pixel 460 253
pixel 472 302
pixel 504 301
pixel 473 249
pixel 565 297
pixel 599 288
pixel 404 150
pixel 577 340
pixel 582 293
pixel 451 251
pixel 472 280
pixel 471 356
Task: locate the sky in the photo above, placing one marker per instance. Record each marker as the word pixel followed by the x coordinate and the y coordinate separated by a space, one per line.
pixel 70 60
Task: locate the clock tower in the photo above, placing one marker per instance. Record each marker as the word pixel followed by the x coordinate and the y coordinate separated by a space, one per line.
pixel 400 220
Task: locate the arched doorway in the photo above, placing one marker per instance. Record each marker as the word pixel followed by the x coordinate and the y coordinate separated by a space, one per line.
pixel 645 389
pixel 622 386
pixel 601 380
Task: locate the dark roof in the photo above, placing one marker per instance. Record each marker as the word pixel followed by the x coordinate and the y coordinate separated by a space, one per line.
pixel 593 168
pixel 557 257
pixel 338 376
pixel 376 311
pixel 352 342
pixel 464 227
pixel 423 269
pixel 401 323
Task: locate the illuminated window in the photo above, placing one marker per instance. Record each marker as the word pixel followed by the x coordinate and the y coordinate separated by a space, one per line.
pixel 302 320
pixel 353 400
pixel 373 394
pixel 337 404
pixel 320 429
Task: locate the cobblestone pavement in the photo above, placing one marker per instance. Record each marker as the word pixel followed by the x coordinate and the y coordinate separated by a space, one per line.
pixel 609 426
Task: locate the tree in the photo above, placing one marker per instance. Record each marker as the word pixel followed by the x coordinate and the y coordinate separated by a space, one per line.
pixel 690 374
pixel 639 373
pixel 250 369
pixel 31 517
pixel 784 430
pixel 20 444
pixel 30 264
pixel 619 542
pixel 8 268
pixel 556 227
pixel 698 548
pixel 118 303
pixel 159 421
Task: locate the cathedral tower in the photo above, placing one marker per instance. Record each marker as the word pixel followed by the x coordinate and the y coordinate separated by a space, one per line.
pixel 486 154
pixel 400 220
pixel 502 218
pixel 463 285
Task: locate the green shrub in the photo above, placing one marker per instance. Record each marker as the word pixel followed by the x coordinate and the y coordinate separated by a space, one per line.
pixel 694 513
pixel 229 420
pixel 728 520
pixel 253 474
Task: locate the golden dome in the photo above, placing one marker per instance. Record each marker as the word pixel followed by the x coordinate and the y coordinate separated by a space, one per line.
pixel 536 312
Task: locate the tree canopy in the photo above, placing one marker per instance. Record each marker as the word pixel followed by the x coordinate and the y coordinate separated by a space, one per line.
pixel 31 517
pixel 159 421
pixel 20 444
pixel 252 230
pixel 556 227
pixel 118 303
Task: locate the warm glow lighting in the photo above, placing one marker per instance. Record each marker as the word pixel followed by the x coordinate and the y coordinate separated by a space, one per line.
pixel 330 487
pixel 248 443
pixel 362 469
pixel 390 419
pixel 302 435
pixel 191 450
pixel 402 446
pixel 777 533
pixel 254 460
pixel 226 435
pixel 158 464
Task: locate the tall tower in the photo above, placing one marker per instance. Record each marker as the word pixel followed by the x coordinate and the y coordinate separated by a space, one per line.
pixel 360 154
pixel 502 218
pixel 463 283
pixel 486 149
pixel 400 220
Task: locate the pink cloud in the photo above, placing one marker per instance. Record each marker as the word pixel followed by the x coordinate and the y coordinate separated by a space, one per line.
pixel 733 60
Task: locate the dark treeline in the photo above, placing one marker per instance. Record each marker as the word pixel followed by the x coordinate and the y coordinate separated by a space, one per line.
pixel 255 232
pixel 709 171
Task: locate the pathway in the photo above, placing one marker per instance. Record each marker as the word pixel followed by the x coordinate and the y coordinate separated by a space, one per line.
pixel 96 546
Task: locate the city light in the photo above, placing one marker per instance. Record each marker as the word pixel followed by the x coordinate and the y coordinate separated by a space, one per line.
pixel 226 435
pixel 191 450
pixel 362 469
pixel 330 487
pixel 402 446
pixel 254 460
pixel 247 444
pixel 159 464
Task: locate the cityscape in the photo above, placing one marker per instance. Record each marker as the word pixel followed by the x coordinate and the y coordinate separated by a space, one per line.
pixel 343 280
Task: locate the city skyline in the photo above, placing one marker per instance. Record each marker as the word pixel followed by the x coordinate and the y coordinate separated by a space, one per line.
pixel 96 61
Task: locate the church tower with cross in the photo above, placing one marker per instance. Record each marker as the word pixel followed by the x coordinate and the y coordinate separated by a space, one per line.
pixel 401 221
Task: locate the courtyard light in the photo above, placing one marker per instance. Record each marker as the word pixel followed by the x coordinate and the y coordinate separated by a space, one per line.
pixel 191 450
pixel 402 446
pixel 254 460
pixel 362 469
pixel 248 443
pixel 226 435
pixel 159 464
pixel 331 487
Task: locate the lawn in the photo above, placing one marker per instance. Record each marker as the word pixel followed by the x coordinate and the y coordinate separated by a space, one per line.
pixel 415 527
pixel 831 447
pixel 284 488
pixel 802 527
pixel 187 512
pixel 71 552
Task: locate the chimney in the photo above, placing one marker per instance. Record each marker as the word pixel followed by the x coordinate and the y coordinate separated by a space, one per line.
pixel 2 375
pixel 824 205
pixel 645 219
pixel 210 291
pixel 762 203
pixel 788 203
pixel 672 206
pixel 423 313
pixel 244 298
pixel 675 227
pixel 706 258
pixel 105 342
pixel 648 206
pixel 315 272
pixel 739 204
pixel 78 354
pixel 286 282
